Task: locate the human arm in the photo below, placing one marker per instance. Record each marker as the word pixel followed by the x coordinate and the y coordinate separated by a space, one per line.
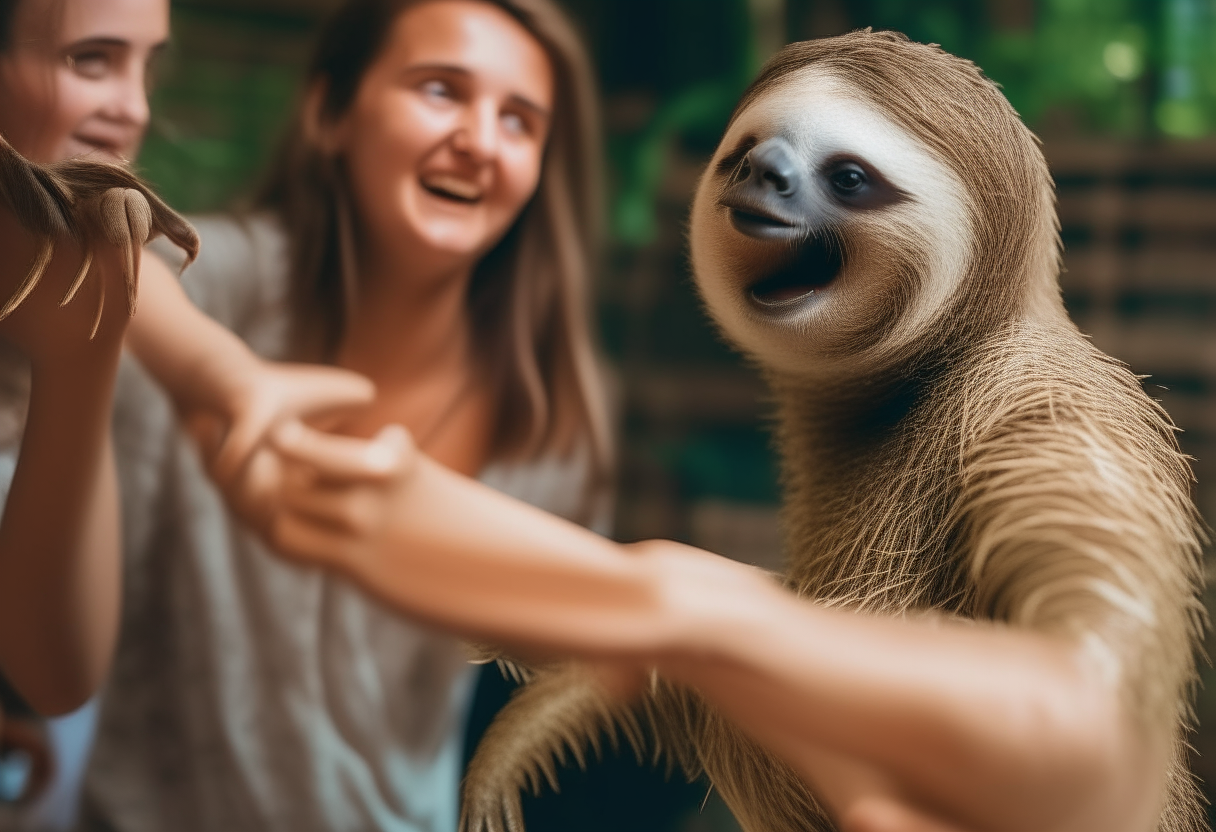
pixel 452 551
pixel 71 234
pixel 904 724
pixel 59 535
pixel 897 723
pixel 228 394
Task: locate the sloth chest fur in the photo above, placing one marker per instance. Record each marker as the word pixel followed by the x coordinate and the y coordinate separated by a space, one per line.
pixel 888 521
pixel 877 532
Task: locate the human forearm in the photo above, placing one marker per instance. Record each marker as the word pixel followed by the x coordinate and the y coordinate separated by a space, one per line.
pixel 59 540
pixel 989 728
pixel 211 373
pixel 461 555
pixel 196 359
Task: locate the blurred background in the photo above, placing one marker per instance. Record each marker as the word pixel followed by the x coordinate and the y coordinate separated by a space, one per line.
pixel 1122 92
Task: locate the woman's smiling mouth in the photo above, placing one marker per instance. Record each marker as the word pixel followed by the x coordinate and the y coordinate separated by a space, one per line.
pixel 101 148
pixel 456 188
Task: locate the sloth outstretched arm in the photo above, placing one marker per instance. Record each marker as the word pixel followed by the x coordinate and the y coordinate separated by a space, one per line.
pixel 896 723
pixel 71 235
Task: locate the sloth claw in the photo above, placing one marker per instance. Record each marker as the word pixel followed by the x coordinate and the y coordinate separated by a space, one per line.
pixel 101 306
pixel 46 250
pixel 81 274
pixel 126 221
pixel 482 815
pixel 83 200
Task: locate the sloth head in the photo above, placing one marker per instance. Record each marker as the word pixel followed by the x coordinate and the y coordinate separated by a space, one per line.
pixel 873 201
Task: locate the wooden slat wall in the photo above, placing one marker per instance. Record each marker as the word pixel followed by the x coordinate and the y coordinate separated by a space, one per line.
pixel 1139 225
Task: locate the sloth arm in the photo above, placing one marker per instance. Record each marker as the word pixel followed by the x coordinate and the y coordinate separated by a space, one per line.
pixel 1058 710
pixel 59 537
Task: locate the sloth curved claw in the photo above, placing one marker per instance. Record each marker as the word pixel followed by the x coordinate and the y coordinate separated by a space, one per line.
pixel 485 814
pixel 85 201
pixel 101 306
pixel 81 274
pixel 46 250
pixel 126 221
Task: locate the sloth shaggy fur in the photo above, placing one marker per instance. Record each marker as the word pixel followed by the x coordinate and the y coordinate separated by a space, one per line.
pixel 971 455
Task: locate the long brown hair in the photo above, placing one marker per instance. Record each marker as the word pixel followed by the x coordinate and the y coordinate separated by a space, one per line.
pixel 8 11
pixel 528 299
pixel 48 21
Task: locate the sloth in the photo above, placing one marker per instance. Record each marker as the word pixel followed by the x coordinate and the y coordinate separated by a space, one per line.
pixel 877 232
pixel 88 202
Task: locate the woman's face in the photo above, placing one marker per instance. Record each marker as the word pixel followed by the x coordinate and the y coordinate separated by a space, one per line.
pixel 445 138
pixel 75 84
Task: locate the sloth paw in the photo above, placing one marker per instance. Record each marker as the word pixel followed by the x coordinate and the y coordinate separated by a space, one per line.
pixel 122 219
pixel 98 205
pixel 125 219
pixel 490 812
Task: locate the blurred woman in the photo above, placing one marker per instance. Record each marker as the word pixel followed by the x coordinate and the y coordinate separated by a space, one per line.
pixel 72 79
pixel 431 226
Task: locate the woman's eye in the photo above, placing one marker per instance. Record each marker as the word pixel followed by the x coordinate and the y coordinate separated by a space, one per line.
pixel 514 124
pixel 90 64
pixel 437 89
pixel 848 180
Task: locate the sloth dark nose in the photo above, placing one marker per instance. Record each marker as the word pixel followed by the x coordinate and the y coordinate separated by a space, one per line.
pixel 773 168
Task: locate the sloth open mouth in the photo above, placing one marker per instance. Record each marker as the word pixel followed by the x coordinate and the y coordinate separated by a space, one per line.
pixel 451 187
pixel 815 263
pixel 759 221
pixel 757 224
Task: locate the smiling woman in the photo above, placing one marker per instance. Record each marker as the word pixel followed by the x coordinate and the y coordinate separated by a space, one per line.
pixel 72 82
pixel 71 85
pixel 450 150
pixel 430 224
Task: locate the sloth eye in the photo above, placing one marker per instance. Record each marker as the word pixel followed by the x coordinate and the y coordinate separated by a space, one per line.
pixel 848 180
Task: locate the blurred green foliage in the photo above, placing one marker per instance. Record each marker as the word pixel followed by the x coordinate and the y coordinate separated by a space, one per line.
pixel 1126 68
pixel 221 100
pixel 1131 68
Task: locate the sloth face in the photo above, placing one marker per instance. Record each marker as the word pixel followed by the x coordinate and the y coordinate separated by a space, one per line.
pixel 824 235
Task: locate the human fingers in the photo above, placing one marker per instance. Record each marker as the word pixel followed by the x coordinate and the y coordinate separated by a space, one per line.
pixel 351 509
pixel 296 392
pixel 232 451
pixel 300 538
pixel 312 389
pixel 345 458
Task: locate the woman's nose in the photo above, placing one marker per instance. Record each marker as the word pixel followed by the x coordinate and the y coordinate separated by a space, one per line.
pixel 478 135
pixel 129 99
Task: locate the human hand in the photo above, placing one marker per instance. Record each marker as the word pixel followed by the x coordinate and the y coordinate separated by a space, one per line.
pixel 232 433
pixel 338 492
